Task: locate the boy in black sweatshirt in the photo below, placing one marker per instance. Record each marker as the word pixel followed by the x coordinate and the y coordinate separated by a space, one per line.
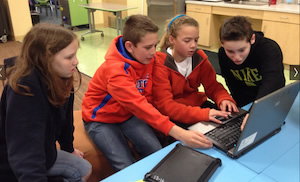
pixel 250 63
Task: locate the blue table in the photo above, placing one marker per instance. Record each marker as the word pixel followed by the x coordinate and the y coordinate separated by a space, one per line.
pixel 275 160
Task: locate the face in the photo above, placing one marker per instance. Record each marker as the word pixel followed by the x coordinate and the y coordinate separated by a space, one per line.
pixel 145 49
pixel 65 61
pixel 185 44
pixel 238 50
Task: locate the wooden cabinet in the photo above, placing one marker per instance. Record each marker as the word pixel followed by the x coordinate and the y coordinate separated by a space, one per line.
pixel 284 29
pixel 203 20
pixel 279 26
pixel 202 14
pixel 225 11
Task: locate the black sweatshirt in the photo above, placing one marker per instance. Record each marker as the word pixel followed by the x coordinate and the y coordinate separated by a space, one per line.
pixel 29 129
pixel 260 74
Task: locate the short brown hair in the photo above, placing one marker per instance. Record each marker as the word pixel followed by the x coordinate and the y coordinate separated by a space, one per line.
pixel 236 28
pixel 137 26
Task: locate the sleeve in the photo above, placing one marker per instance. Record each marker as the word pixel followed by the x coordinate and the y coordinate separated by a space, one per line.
pixel 122 87
pixel 163 99
pixel 213 89
pixel 271 69
pixel 66 137
pixel 25 134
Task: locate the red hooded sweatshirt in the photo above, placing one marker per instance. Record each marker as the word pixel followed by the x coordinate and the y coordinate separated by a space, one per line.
pixel 178 97
pixel 121 88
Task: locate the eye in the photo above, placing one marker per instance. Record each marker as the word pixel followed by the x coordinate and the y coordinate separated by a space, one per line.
pixel 70 57
pixel 150 47
pixel 186 40
pixel 241 50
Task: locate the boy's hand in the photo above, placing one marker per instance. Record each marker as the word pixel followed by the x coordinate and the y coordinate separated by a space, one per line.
pixel 196 139
pixel 190 138
pixel 227 105
pixel 244 121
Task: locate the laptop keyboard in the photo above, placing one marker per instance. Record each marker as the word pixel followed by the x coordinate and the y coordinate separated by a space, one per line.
pixel 227 134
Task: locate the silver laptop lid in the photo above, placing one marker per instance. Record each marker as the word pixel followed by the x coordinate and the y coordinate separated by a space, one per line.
pixel 266 117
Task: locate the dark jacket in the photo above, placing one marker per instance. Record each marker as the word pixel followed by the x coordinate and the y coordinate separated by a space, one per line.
pixel 260 74
pixel 29 129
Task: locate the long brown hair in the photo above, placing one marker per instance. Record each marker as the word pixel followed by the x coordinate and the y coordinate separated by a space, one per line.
pixel 172 26
pixel 39 47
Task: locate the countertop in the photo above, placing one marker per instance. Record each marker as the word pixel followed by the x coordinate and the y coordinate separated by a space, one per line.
pixel 285 8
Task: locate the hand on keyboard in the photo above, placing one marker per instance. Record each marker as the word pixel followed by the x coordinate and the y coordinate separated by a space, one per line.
pixel 222 119
pixel 227 105
pixel 215 114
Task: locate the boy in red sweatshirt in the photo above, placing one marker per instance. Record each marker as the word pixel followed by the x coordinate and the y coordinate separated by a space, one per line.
pixel 117 105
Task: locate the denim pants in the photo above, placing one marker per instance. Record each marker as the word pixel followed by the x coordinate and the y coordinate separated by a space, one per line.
pixel 72 168
pixel 111 139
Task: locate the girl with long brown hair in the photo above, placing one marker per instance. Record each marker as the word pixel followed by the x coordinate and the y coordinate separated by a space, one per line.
pixel 37 110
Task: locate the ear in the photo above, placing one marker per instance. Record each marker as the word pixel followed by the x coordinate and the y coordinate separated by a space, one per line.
pixel 129 45
pixel 171 39
pixel 252 40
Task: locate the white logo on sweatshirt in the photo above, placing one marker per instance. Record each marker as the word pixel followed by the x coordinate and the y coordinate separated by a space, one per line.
pixel 141 83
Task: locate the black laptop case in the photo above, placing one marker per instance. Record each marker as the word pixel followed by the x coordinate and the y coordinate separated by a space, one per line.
pixel 183 164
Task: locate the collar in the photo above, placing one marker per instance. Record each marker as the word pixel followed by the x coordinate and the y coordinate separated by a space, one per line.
pixel 121 48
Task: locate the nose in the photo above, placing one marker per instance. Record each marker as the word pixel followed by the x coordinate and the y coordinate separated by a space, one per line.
pixel 237 57
pixel 193 44
pixel 153 51
pixel 75 61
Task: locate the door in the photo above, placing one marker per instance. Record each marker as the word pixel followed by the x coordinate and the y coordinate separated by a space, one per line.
pixel 203 20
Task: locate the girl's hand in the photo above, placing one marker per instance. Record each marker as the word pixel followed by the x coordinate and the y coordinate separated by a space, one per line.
pixel 78 153
pixel 213 113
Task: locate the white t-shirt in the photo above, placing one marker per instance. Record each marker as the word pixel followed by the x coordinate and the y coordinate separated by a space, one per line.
pixel 185 66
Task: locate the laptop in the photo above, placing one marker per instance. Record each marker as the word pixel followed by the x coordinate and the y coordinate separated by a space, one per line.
pixel 266 117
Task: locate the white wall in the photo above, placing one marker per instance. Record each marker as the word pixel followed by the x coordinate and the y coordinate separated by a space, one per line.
pixel 98 14
pixel 140 4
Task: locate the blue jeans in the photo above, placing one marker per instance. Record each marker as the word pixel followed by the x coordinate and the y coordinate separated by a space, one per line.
pixel 72 168
pixel 111 139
